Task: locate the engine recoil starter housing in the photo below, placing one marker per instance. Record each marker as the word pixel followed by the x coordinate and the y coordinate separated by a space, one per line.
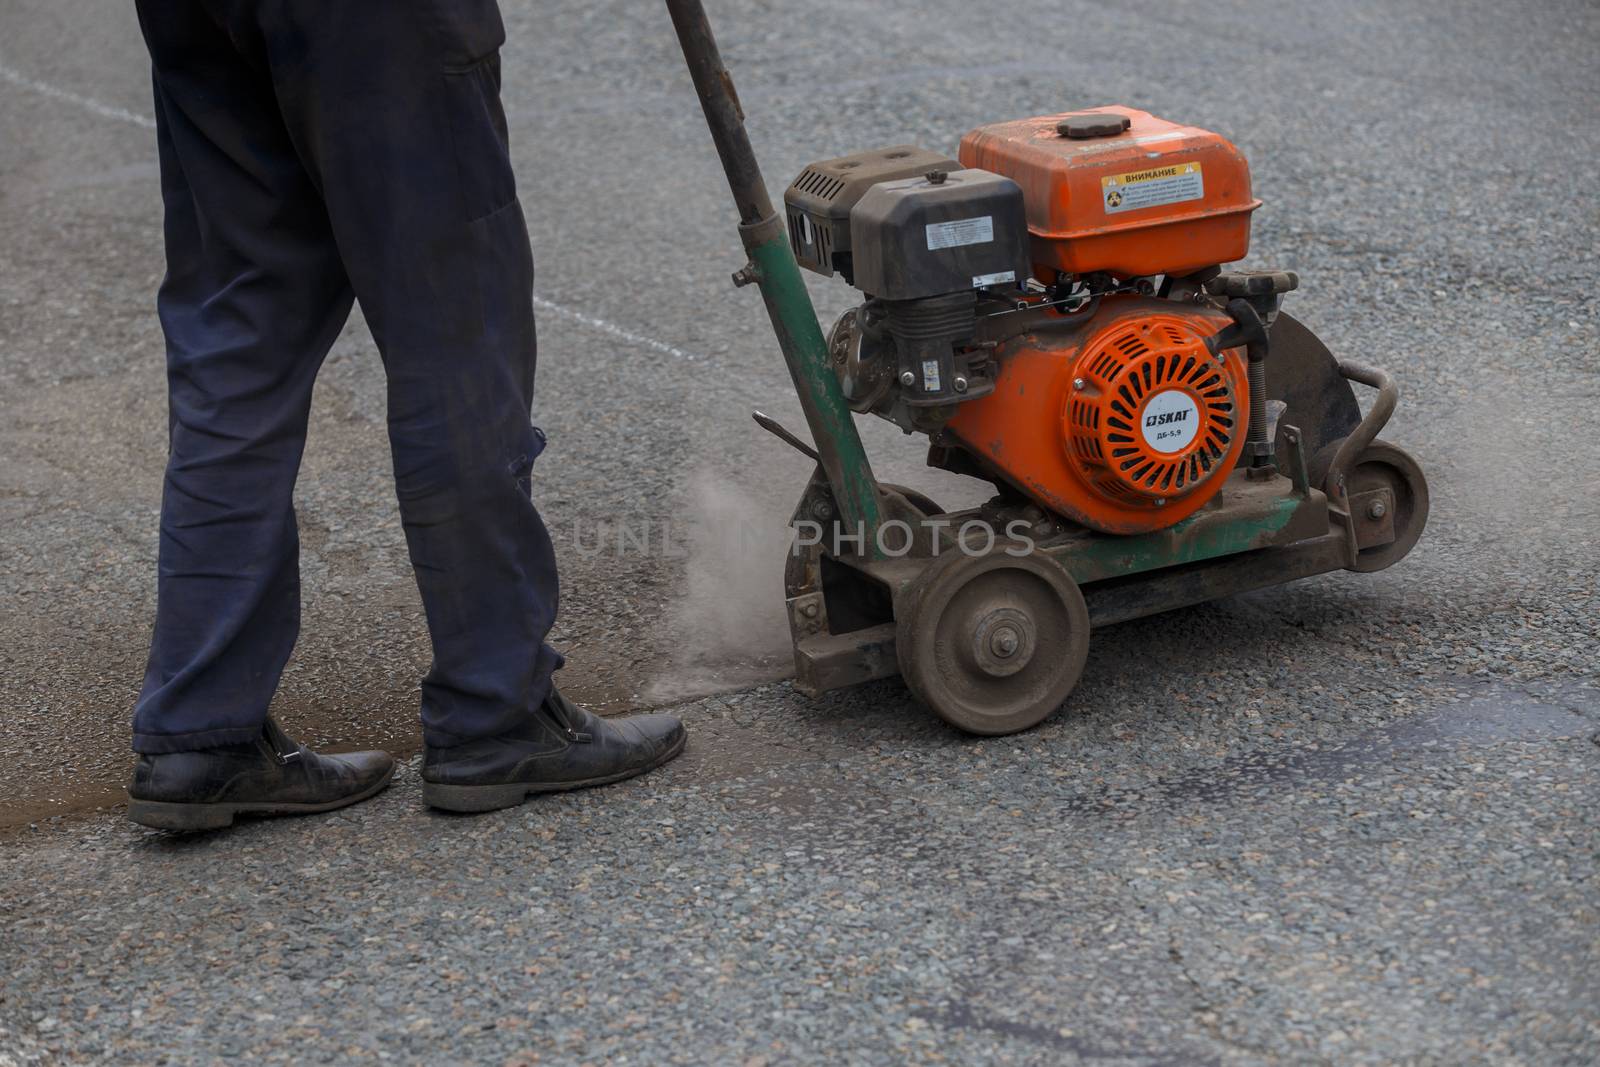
pixel 1127 424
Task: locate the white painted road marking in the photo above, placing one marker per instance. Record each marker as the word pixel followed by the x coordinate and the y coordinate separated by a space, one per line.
pixel 611 329
pixel 16 77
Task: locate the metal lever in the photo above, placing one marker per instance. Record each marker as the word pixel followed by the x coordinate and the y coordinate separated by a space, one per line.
pixel 772 267
pixel 1250 331
pixel 784 434
pixel 1253 299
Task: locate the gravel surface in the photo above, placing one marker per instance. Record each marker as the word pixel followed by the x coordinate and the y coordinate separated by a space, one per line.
pixel 1362 880
pixel 1348 820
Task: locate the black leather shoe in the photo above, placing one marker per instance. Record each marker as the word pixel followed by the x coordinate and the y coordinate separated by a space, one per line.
pixel 272 775
pixel 560 747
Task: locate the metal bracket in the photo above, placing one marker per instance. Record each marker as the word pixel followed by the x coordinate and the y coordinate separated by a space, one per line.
pixel 1372 517
pixel 1298 475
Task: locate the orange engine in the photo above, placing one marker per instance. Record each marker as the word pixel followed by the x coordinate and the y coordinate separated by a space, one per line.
pixel 1042 305
pixel 1125 425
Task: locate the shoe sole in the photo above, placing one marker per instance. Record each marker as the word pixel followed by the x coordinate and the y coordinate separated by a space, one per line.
pixel 475 799
pixel 164 815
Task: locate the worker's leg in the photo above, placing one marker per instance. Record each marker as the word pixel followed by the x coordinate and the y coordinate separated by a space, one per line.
pixel 394 105
pixel 254 295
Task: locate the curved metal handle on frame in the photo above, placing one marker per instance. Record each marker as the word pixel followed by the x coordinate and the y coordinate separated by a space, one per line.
pixel 1366 432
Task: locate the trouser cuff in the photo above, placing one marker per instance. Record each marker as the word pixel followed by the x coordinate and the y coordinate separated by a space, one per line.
pixel 153 744
pixel 435 737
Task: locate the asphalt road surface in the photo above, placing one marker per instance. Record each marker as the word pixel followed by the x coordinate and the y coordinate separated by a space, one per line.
pixel 1348 820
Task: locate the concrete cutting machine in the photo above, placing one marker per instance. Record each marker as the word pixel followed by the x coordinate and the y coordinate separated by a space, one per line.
pixel 1053 309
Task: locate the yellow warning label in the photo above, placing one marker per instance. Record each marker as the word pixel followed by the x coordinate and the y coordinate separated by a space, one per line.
pixel 1151 188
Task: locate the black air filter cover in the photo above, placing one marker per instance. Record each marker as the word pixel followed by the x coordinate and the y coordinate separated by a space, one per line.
pixel 942 233
pixel 818 202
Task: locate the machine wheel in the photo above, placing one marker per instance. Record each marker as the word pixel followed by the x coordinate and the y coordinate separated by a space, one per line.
pixel 1381 466
pixel 993 643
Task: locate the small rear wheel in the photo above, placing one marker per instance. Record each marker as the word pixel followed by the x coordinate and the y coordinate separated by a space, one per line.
pixel 993 643
pixel 1382 466
pixel 1385 466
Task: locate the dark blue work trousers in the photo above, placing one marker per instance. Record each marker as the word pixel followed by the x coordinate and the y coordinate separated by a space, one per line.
pixel 314 152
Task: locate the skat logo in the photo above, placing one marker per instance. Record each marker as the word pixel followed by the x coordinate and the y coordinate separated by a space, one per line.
pixel 1166 417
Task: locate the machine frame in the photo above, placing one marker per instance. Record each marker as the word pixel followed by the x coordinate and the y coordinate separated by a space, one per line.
pixel 855 613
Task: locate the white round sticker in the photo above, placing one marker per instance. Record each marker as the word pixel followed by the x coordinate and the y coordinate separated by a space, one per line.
pixel 1170 421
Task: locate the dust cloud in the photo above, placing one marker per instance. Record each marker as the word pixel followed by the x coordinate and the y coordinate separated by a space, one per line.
pixel 1493 474
pixel 729 629
pixel 728 626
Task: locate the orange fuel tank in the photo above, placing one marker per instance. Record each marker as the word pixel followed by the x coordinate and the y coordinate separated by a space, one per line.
pixel 1116 189
pixel 1124 424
